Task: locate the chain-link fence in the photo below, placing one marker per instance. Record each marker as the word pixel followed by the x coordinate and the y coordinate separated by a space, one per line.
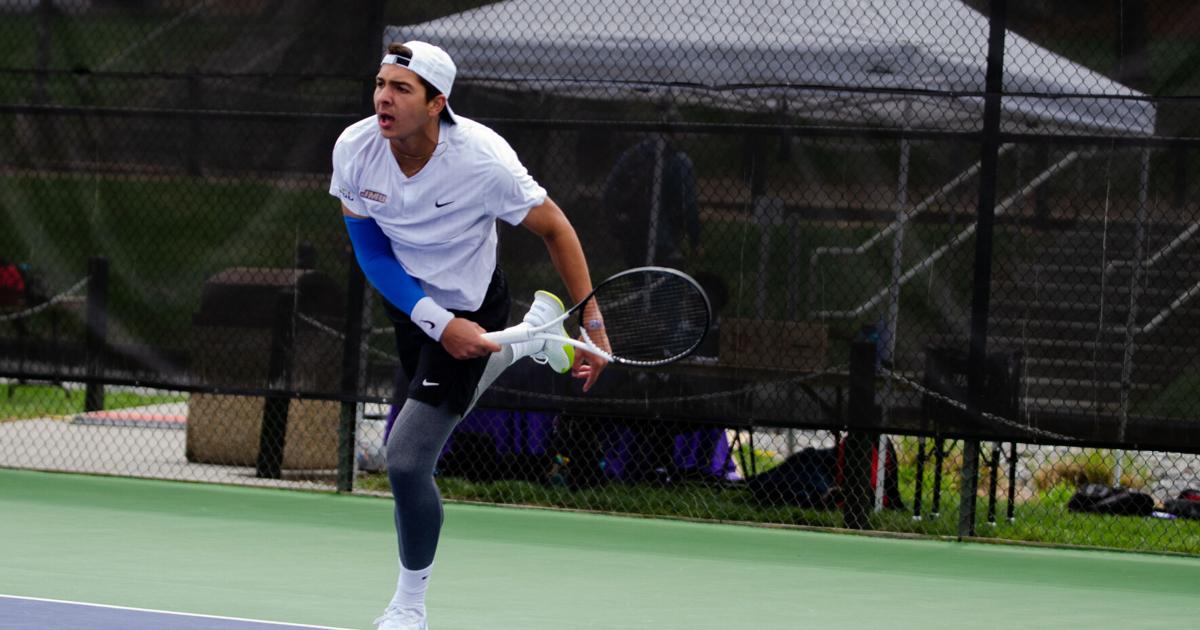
pixel 952 257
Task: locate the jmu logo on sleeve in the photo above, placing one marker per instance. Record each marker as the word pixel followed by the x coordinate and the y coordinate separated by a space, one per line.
pixel 373 195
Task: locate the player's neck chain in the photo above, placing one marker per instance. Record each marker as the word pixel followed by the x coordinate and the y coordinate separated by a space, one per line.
pixel 400 155
pixel 411 164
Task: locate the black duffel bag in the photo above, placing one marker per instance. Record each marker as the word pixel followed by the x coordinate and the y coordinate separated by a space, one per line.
pixel 1101 499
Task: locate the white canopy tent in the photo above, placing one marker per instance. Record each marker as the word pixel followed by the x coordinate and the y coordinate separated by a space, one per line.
pixel 813 57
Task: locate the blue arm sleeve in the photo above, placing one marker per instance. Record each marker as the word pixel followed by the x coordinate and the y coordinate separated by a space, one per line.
pixel 373 251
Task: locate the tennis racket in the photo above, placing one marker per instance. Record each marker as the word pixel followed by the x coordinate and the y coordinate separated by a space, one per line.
pixel 650 316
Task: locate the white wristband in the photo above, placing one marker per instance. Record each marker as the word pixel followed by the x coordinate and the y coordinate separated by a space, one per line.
pixel 431 318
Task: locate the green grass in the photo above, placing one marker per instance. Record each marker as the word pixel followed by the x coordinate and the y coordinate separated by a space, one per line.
pixel 697 501
pixel 19 402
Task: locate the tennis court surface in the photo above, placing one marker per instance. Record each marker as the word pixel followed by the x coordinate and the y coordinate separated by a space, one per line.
pixel 153 554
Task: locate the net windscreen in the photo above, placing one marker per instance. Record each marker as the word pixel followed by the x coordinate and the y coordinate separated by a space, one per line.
pixel 178 296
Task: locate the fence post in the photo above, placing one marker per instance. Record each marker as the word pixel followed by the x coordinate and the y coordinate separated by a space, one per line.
pixel 96 337
pixel 969 489
pixel 985 222
pixel 857 494
pixel 273 432
pixel 1132 69
pixel 351 362
pixel 993 480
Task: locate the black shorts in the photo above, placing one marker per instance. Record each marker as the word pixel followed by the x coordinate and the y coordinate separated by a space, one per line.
pixel 431 375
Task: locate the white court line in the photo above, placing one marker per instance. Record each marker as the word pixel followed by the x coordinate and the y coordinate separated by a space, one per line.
pixel 170 612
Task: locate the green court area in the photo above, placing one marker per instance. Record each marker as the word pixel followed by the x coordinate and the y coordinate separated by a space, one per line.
pixel 326 559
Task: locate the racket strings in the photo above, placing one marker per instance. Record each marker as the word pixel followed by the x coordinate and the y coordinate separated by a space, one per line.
pixel 652 316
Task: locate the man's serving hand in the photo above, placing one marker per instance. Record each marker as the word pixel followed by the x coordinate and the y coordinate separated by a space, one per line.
pixel 589 366
pixel 463 340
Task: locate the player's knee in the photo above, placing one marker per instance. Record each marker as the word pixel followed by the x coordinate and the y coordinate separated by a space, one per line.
pixel 405 470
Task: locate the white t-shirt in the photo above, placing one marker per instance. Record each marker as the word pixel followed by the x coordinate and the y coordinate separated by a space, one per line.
pixel 441 221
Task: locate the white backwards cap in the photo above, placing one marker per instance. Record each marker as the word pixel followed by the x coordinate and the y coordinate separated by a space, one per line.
pixel 430 63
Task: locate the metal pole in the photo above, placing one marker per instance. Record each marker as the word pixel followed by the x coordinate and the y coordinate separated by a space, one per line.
pixel 856 505
pixel 273 432
pixel 893 312
pixel 1131 327
pixel 919 483
pixel 992 482
pixel 981 296
pixel 353 362
pixel 96 337
pixel 1012 482
pixel 939 458
pixel 351 368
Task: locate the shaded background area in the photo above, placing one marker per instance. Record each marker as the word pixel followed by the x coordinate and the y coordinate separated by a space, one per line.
pixel 826 169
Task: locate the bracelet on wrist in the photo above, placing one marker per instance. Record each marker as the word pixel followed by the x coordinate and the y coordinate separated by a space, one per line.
pixel 594 324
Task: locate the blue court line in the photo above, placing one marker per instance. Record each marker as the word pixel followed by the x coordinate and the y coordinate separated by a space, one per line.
pixel 35 613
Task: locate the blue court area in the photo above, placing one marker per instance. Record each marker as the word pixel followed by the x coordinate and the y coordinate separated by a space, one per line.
pixel 27 613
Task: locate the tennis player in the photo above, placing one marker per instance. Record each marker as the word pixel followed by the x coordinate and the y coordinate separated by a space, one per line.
pixel 421 189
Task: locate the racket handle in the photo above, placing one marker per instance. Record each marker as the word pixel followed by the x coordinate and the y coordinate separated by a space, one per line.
pixel 510 335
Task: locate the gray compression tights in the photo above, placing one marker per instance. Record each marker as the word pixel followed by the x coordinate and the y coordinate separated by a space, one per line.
pixel 416 440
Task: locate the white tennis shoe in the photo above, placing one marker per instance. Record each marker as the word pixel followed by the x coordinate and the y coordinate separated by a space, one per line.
pixel 400 618
pixel 559 356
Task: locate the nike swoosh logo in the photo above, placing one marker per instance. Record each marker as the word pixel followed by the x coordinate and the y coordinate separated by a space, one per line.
pixel 428 323
pixel 440 204
pixel 428 383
